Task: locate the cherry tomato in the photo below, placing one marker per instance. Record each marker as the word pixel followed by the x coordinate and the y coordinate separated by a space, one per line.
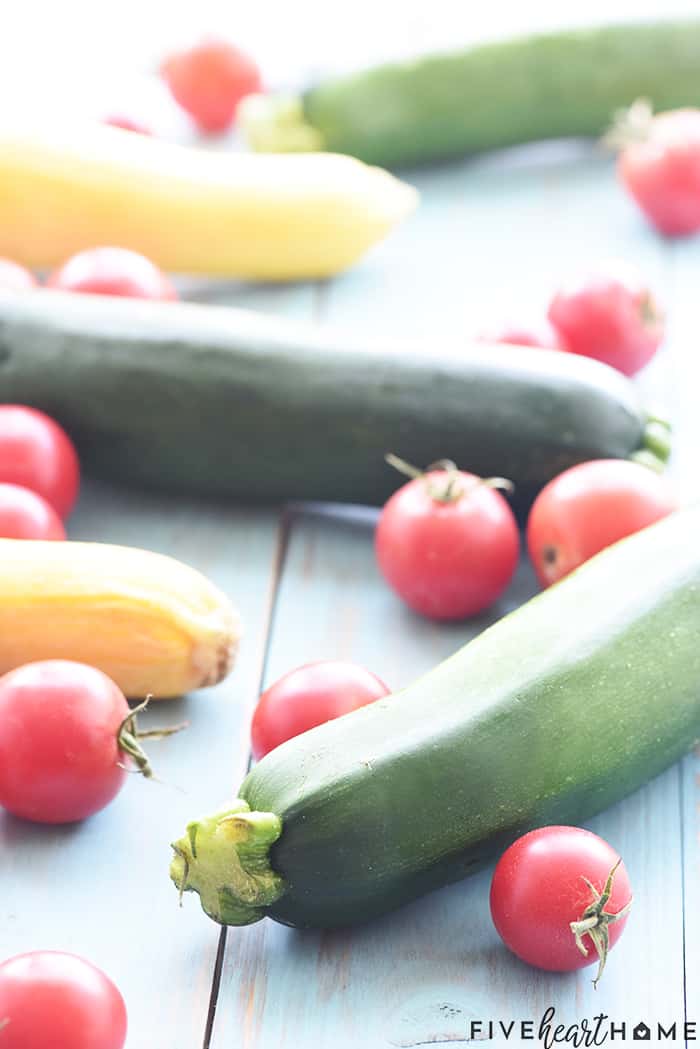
pixel 36 453
pixel 209 80
pixel 539 888
pixel 51 1000
pixel 660 167
pixel 309 696
pixel 60 758
pixel 543 336
pixel 113 271
pixel 448 544
pixel 25 515
pixel 16 277
pixel 126 124
pixel 589 507
pixel 610 316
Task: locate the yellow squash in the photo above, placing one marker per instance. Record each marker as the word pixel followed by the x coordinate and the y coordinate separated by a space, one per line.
pixel 154 625
pixel 228 214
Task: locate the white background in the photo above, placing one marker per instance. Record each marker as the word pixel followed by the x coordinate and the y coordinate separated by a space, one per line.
pixel 98 55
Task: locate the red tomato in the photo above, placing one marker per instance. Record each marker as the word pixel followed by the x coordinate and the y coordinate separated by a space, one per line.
pixel 543 336
pixel 113 271
pixel 16 277
pixel 209 80
pixel 539 888
pixel 610 316
pixel 589 507
pixel 447 557
pixel 36 453
pixel 59 748
pixel 51 1000
pixel 661 170
pixel 309 696
pixel 25 515
pixel 127 124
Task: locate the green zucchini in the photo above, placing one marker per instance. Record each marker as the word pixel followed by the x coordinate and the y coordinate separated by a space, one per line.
pixel 552 714
pixel 210 400
pixel 564 83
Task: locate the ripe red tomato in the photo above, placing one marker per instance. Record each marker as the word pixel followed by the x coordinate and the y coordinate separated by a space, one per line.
pixel 660 167
pixel 113 271
pixel 36 453
pixel 51 1000
pixel 610 316
pixel 309 696
pixel 25 515
pixel 126 124
pixel 16 277
pixel 589 507
pixel 448 544
pixel 209 80
pixel 539 888
pixel 543 336
pixel 59 748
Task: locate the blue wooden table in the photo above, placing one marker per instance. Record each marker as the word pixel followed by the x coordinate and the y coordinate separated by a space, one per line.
pixel 491 240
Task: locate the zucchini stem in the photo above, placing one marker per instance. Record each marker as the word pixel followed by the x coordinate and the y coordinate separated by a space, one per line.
pixel 277 124
pixel 595 920
pixel 225 858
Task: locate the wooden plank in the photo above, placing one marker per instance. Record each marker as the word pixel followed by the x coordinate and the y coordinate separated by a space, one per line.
pixel 685 267
pixel 422 974
pixel 493 238
pixel 101 888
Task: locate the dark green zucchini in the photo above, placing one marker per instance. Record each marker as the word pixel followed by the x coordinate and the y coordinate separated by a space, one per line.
pixel 557 711
pixel 564 83
pixel 210 400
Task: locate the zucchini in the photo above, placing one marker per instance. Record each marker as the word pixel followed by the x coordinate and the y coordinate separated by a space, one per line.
pixel 217 401
pixel 487 96
pixel 552 714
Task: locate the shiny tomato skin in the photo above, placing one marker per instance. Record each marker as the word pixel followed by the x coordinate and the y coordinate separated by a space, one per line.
pixel 113 271
pixel 15 277
pixel 589 507
pixel 611 316
pixel 209 80
pixel 36 453
pixel 447 560
pixel 542 336
pixel 308 696
pixel 53 1000
pixel 662 172
pixel 25 515
pixel 538 889
pixel 59 752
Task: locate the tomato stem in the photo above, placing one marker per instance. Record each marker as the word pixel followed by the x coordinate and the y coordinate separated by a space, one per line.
pixel 595 920
pixel 129 735
pixel 453 488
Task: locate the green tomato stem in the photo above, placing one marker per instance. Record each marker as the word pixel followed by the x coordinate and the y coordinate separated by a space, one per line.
pixel 595 920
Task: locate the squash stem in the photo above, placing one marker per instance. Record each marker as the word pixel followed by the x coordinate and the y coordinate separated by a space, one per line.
pixel 225 858
pixel 277 124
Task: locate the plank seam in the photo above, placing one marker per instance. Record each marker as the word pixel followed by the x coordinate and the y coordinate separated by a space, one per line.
pixel 284 530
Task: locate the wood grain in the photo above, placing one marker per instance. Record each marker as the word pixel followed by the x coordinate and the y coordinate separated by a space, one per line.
pixel 100 888
pixel 421 975
pixel 492 239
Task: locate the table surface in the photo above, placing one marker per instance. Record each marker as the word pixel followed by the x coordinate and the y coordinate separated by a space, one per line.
pixel 492 238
